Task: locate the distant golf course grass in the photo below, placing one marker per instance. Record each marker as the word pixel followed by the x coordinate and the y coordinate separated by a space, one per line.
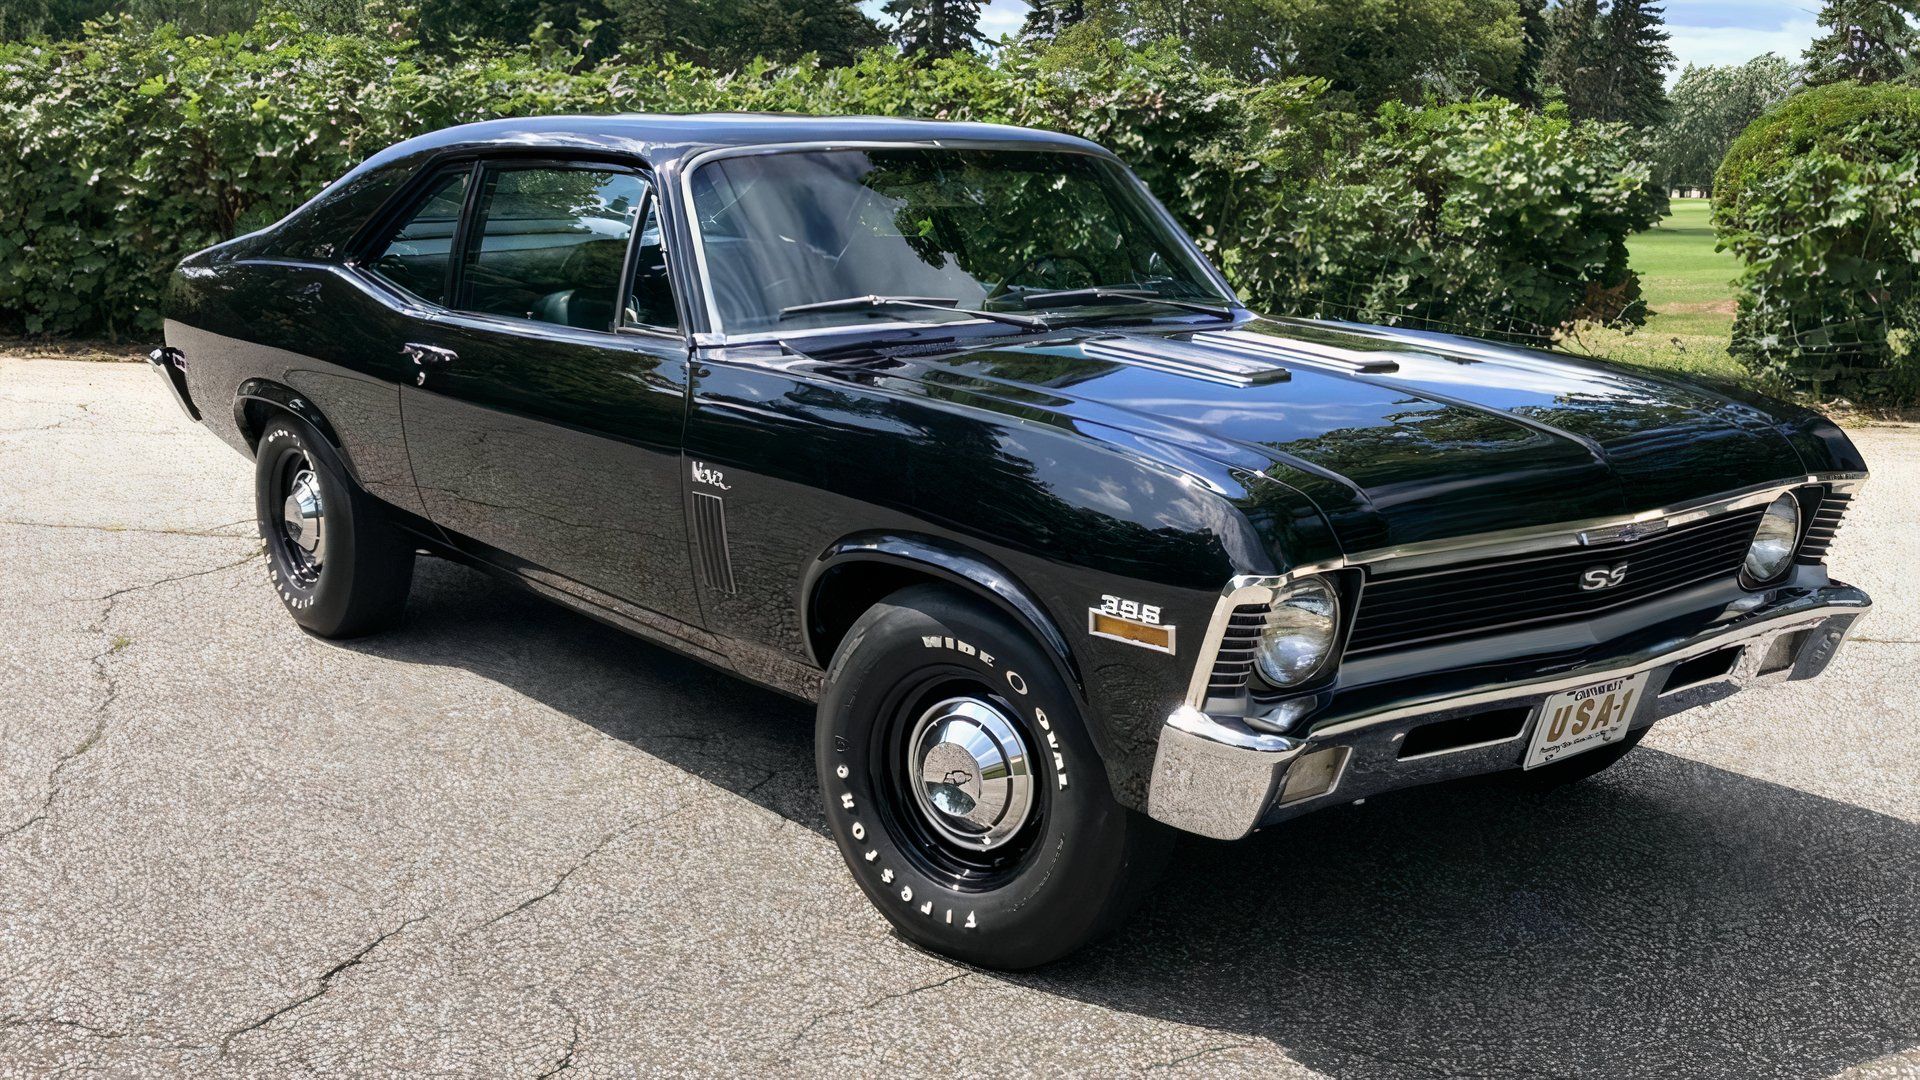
pixel 1688 285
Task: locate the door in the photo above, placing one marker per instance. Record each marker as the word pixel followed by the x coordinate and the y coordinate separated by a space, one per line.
pixel 545 419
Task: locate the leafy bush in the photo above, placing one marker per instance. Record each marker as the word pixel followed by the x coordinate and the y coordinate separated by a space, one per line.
pixel 1831 291
pixel 1820 207
pixel 1860 123
pixel 1482 217
pixel 130 148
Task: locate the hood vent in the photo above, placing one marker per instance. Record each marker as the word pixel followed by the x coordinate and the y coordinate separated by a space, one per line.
pixel 1298 351
pixel 1175 357
pixel 1239 358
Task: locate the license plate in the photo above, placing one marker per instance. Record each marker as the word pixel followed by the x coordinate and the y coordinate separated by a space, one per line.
pixel 1574 721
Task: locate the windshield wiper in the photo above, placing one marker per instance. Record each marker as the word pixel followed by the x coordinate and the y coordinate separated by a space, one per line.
pixel 935 303
pixel 1078 297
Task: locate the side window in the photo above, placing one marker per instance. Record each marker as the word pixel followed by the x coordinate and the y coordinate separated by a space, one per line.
pixel 650 300
pixel 418 253
pixel 549 244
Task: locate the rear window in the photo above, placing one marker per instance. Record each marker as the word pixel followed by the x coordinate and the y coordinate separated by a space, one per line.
pixel 419 254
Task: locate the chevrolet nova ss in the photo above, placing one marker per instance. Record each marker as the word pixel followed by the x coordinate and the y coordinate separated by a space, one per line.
pixel 949 429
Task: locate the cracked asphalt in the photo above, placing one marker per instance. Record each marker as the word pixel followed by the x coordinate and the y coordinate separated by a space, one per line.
pixel 506 841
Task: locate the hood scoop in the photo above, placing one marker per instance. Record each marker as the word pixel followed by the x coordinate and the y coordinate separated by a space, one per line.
pixel 1299 351
pixel 1239 358
pixel 1226 366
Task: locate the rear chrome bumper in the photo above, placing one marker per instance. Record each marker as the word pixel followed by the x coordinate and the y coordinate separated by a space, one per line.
pixel 1215 776
pixel 172 366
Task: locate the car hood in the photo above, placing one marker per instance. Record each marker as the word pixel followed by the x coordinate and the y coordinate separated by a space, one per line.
pixel 1398 437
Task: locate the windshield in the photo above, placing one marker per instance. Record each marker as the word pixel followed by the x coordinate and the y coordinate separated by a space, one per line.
pixel 979 228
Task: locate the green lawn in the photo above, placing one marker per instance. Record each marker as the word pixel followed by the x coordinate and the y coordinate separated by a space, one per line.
pixel 1688 285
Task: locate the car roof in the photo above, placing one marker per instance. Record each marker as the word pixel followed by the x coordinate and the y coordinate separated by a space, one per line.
pixel 660 139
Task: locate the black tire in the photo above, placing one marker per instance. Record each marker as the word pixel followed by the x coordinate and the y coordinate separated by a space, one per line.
pixel 1559 774
pixel 1077 864
pixel 358 582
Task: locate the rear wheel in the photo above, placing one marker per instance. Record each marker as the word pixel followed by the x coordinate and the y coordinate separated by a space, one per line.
pixel 964 791
pixel 339 568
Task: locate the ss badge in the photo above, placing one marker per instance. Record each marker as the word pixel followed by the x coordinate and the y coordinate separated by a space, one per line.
pixel 1595 578
pixel 1132 622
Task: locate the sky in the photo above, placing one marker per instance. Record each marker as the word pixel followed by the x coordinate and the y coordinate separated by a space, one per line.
pixel 1704 31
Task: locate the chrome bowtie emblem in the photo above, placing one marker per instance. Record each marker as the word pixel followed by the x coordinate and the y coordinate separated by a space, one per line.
pixel 1624 534
pixel 1595 578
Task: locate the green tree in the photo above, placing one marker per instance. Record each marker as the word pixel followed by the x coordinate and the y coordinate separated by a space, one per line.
pixel 729 33
pixel 934 28
pixel 1637 63
pixel 20 19
pixel 1572 65
pixel 63 19
pixel 447 25
pixel 1524 87
pixel 1367 51
pixel 191 16
pixel 1866 41
pixel 1050 18
pixel 1399 50
pixel 1711 106
pixel 1609 65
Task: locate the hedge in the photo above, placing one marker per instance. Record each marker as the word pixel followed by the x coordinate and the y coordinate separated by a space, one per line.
pixel 1817 200
pixel 125 150
pixel 1862 123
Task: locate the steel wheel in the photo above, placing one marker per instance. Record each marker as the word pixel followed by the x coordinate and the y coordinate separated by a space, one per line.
pixel 954 764
pixel 963 788
pixel 301 530
pixel 338 567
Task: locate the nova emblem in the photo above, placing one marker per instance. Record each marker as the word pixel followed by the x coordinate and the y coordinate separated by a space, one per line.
pixel 1596 578
pixel 704 473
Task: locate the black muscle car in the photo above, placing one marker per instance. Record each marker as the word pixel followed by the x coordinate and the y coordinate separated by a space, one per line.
pixel 949 428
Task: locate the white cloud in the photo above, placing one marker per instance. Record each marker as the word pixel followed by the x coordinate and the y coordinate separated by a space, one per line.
pixel 997 17
pixel 1002 17
pixel 1704 45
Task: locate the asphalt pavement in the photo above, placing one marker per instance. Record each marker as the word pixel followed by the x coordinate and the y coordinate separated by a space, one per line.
pixel 505 840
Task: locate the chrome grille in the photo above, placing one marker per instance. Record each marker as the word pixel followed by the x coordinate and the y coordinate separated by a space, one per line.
pixel 1233 665
pixel 1490 596
pixel 1827 507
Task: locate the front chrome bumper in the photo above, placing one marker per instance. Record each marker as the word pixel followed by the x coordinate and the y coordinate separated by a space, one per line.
pixel 1215 776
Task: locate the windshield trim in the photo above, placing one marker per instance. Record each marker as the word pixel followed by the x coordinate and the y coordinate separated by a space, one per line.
pixel 716 333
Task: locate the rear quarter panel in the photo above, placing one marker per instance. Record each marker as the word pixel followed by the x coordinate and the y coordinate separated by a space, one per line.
pixel 312 327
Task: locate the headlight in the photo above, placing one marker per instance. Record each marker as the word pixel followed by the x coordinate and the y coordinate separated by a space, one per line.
pixel 1300 632
pixel 1774 540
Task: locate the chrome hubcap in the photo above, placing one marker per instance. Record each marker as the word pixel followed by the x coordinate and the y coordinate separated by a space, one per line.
pixel 303 516
pixel 970 772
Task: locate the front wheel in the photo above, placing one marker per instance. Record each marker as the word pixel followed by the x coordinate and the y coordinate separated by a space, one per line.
pixel 964 791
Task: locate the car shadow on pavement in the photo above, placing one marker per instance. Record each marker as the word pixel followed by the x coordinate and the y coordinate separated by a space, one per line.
pixel 1670 919
pixel 714 725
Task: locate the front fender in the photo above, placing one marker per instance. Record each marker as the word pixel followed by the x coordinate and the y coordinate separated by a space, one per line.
pixel 943 561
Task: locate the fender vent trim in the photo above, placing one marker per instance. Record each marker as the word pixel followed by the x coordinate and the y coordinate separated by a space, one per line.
pixel 710 542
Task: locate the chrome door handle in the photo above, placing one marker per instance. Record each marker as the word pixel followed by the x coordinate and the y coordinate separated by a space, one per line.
pixel 428 358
